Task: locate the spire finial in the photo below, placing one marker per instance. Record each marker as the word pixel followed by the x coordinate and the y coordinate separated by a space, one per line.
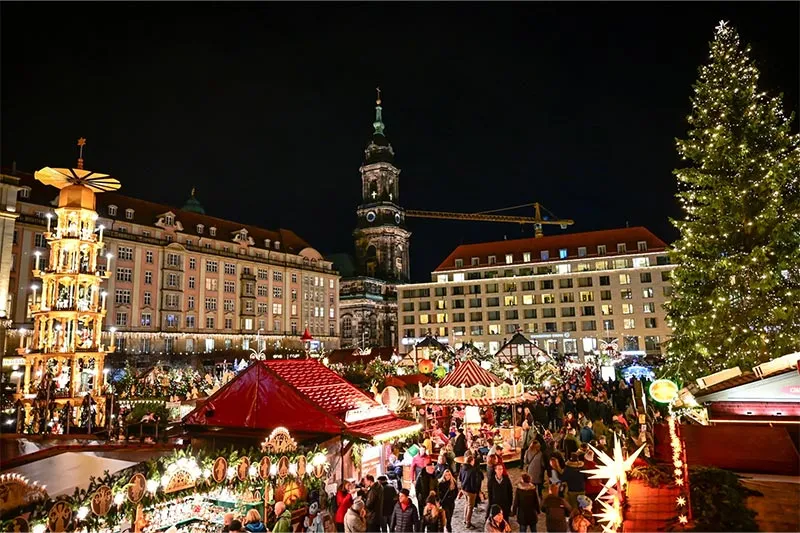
pixel 378 124
pixel 81 144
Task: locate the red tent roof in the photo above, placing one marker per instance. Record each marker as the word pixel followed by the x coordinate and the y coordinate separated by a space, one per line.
pixel 469 373
pixel 301 395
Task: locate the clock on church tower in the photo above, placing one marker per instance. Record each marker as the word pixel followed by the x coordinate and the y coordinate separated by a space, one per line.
pixel 381 238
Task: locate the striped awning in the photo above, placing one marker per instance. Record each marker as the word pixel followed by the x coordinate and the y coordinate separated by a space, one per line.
pixel 469 373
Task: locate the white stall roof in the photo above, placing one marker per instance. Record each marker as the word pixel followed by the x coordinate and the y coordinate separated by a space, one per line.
pixel 65 472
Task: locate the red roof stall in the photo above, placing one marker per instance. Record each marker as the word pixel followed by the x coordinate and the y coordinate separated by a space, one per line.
pixel 302 395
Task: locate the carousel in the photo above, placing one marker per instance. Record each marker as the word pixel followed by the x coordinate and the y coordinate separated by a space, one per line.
pixel 470 389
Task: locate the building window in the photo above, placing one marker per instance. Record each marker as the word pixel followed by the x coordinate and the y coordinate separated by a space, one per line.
pixel 627 309
pixel 262 290
pixel 263 273
pixel 607 309
pixel 189 321
pixel 641 246
pixel 652 343
pixel 545 255
pixel 228 323
pixel 229 286
pixel 509 258
pixel 277 292
pixel 262 308
pixel 148 256
pixel 459 263
pixel 230 268
pixel 210 325
pixel 294 277
pixel 172 301
pixel 200 229
pixel 581 251
pixel 125 253
pixel 192 263
pixel 621 248
pixel 601 249
pixel 562 253
pixel 647 293
pixel 122 297
pixel 173 260
pixel 608 325
pixel 211 284
pixel 650 323
pixel 626 294
pixel 148 277
pixel 645 277
pixel 475 261
pixel 25 192
pixel 121 319
pixel 112 210
pixel 492 260
pixel 649 307
pixel 124 274
pixel 212 266
pixel 605 280
pixel 191 282
pixel 629 323
pixel 211 304
pixel 277 275
pixel 277 309
pixel 172 280
pixel 212 231
pixel 148 298
pixel 228 306
pixel 605 295
pixel 190 302
pixel 146 317
pixel 129 214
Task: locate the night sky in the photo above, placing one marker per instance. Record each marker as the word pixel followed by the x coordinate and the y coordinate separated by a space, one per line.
pixel 267 108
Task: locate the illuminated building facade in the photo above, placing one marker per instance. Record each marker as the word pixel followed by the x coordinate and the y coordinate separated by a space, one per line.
pixel 567 293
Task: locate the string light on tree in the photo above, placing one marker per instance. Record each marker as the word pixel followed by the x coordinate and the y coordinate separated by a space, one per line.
pixel 739 253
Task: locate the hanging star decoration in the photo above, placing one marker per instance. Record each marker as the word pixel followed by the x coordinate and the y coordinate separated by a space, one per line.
pixel 683 519
pixel 613 469
pixel 681 501
pixel 611 516
pixel 723 25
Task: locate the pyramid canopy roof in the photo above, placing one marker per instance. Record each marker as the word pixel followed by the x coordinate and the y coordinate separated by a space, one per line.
pixel 431 342
pixel 469 373
pixel 517 347
pixel 301 395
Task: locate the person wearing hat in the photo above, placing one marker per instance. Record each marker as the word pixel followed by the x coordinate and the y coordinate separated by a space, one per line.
pixel 389 500
pixel 574 478
pixel 405 517
pixel 354 521
pixel 581 518
pixel 495 522
pixel 426 482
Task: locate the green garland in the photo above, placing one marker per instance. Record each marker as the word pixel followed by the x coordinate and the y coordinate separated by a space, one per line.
pixel 153 470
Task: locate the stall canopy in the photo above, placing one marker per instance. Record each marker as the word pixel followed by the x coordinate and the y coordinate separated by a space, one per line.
pixel 356 355
pixel 469 384
pixel 518 348
pixel 301 395
pixel 427 348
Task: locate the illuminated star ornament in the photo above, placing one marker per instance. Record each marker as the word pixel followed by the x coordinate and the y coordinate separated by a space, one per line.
pixel 681 501
pixel 683 519
pixel 615 469
pixel 611 517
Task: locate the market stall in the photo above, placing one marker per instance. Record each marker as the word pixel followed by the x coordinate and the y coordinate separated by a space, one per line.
pixel 519 349
pixel 313 402
pixel 473 387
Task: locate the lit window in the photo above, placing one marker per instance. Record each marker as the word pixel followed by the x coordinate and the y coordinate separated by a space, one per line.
pixel 562 253
pixel 212 231
pixel 624 279
pixel 526 257
pixel 492 260
pixel 112 210
pixel 129 214
pixel 627 309
pixel 545 255
pixel 200 228
pixel 629 323
pixel 509 258
pixel 582 251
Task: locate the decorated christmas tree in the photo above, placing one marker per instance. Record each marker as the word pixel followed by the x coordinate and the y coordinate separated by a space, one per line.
pixel 736 286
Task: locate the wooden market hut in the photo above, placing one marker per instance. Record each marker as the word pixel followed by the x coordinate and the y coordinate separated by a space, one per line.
pixel 517 349
pixel 425 350
pixel 313 403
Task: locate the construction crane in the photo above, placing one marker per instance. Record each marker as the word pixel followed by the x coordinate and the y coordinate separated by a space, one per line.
pixel 488 216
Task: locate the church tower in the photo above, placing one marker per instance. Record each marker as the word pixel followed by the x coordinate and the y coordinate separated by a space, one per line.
pixel 381 239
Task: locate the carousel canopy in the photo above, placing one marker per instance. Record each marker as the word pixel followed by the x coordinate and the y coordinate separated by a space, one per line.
pixel 469 384
pixel 301 395
pixel 516 348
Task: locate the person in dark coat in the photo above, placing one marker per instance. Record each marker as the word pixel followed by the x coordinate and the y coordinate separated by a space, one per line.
pixel 426 482
pixel 460 445
pixel 556 509
pixel 405 517
pixel 526 504
pixel 374 503
pixel 471 481
pixel 500 492
pixel 448 490
pixel 389 499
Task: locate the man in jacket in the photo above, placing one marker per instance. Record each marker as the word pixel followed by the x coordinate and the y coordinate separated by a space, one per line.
pixel 405 518
pixel 536 468
pixel 389 499
pixel 556 509
pixel 460 445
pixel 471 486
pixel 284 523
pixel 374 503
pixel 426 482
pixel 587 435
pixel 354 518
pixel 528 436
